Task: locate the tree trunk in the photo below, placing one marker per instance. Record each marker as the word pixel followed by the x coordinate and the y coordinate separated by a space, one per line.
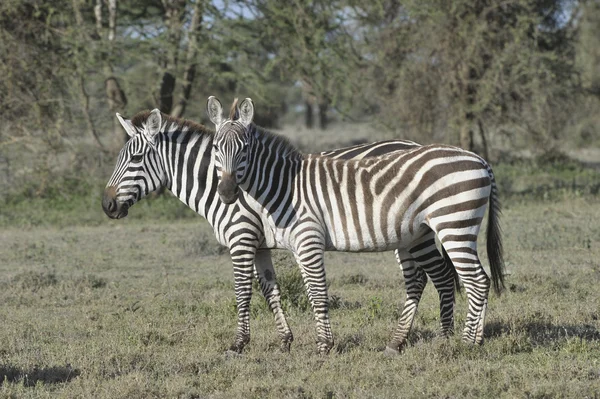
pixel 308 115
pixel 115 96
pixel 466 136
pixel 80 72
pixel 85 107
pixel 174 13
pixel 112 21
pixel 189 72
pixel 486 153
pixel 165 96
pixel 470 98
pixel 323 107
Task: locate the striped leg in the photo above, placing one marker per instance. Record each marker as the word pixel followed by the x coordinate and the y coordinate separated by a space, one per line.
pixel 242 257
pixel 265 274
pixel 423 255
pixel 441 272
pixel 310 260
pixel 462 249
pixel 415 281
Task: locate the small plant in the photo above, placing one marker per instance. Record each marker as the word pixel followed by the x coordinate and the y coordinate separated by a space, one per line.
pixel 375 307
pixel 34 281
pixel 354 279
pixel 293 293
pixel 89 281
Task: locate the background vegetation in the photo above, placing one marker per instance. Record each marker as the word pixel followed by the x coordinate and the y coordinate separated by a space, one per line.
pixel 144 307
pixel 504 78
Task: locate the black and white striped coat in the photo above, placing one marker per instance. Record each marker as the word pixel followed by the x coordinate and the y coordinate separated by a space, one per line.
pixel 177 154
pixel 313 204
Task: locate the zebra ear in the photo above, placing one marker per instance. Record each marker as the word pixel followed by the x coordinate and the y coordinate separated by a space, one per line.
pixel 127 125
pixel 214 110
pixel 153 124
pixel 246 111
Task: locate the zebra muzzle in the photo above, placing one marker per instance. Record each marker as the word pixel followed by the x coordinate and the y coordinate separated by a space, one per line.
pixel 113 208
pixel 228 189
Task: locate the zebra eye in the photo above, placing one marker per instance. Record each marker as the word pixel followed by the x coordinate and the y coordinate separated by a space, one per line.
pixel 137 158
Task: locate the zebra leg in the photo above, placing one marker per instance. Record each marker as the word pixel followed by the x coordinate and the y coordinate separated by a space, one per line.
pixel 242 257
pixel 265 274
pixel 310 260
pixel 462 250
pixel 441 272
pixel 415 281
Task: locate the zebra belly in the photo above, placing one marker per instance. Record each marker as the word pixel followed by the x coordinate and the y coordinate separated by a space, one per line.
pixel 357 240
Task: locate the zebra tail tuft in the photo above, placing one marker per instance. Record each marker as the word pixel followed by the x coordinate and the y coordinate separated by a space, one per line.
pixel 494 238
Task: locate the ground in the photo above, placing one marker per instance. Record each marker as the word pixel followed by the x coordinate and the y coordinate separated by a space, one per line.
pixel 142 308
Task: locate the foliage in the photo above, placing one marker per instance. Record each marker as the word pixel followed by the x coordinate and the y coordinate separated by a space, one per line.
pixel 490 76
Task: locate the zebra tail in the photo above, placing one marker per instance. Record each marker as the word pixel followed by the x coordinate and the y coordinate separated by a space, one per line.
pixel 494 238
pixel 449 263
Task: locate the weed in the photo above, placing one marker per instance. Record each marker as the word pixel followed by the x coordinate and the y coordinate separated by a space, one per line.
pixel 354 279
pixel 34 281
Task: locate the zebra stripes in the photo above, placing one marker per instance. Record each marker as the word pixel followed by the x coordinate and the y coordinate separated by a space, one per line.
pixel 398 201
pixel 177 154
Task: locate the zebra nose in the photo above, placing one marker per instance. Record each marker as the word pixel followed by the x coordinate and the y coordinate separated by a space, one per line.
pixel 109 205
pixel 227 189
pixel 109 202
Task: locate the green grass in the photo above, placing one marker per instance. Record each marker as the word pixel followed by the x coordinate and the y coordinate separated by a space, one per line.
pixel 144 307
pixel 83 209
pixel 551 177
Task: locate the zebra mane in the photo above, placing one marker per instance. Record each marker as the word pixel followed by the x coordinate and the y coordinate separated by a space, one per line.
pixel 139 119
pixel 286 147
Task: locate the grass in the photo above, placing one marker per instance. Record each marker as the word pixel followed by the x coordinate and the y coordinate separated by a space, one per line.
pixel 144 307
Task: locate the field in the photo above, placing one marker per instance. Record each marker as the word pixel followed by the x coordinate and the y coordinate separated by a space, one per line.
pixel 144 307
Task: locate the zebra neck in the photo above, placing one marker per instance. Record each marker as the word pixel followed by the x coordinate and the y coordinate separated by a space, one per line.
pixel 188 166
pixel 272 166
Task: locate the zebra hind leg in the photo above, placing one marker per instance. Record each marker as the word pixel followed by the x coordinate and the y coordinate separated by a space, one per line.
pixel 415 281
pixel 476 282
pixel 441 272
pixel 265 274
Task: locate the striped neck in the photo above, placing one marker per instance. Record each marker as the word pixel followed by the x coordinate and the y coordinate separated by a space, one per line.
pixel 186 154
pixel 272 159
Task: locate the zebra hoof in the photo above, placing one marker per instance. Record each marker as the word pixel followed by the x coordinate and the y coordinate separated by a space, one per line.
pixel 324 348
pixel 285 347
pixel 390 352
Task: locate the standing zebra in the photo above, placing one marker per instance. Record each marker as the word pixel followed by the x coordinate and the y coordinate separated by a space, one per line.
pixel 399 201
pixel 177 154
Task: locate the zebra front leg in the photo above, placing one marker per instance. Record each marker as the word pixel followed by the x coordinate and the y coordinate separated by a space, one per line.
pixel 267 280
pixel 243 262
pixel 310 260
pixel 415 281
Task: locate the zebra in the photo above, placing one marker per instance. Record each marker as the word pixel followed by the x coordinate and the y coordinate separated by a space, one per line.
pixel 177 154
pixel 396 202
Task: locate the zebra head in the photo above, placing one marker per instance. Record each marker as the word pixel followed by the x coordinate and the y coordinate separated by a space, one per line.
pixel 139 169
pixel 230 145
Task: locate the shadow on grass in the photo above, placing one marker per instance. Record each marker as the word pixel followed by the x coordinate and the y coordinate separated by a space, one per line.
pixel 543 333
pixel 421 334
pixel 45 375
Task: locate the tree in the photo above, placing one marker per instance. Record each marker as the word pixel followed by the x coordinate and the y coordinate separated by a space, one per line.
pixel 474 64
